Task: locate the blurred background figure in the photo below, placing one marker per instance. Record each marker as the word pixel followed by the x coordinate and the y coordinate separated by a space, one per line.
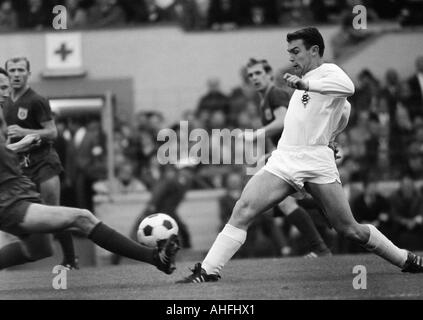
pixel 407 214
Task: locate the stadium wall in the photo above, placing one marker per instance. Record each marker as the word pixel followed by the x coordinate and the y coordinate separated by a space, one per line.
pixel 168 66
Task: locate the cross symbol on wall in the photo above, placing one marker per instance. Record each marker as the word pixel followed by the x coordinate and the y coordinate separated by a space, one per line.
pixel 63 51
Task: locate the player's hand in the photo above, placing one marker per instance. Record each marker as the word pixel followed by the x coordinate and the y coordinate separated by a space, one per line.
pixel 31 139
pixel 15 131
pixel 334 146
pixel 295 82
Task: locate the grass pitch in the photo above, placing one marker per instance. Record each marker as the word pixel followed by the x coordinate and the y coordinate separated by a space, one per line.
pixel 243 279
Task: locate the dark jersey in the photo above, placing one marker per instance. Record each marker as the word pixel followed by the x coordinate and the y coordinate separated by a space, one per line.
pixel 9 166
pixel 273 99
pixel 28 112
pixel 17 192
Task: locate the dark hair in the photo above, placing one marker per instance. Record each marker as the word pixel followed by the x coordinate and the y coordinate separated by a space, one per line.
pixel 310 36
pixel 17 59
pixel 2 71
pixel 266 66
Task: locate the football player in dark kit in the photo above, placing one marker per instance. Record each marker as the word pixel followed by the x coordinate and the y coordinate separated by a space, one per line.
pixel 273 105
pixel 23 215
pixel 25 113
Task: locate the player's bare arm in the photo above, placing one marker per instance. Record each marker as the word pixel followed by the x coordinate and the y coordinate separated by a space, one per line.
pixel 25 143
pixel 49 131
pixel 276 126
pixel 270 130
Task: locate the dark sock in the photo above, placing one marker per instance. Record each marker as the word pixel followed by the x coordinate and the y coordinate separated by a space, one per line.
pixel 303 222
pixel 12 254
pixel 113 241
pixel 66 242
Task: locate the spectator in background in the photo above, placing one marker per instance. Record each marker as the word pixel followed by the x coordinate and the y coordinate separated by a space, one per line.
pixel 106 13
pixel 414 155
pixel 8 16
pixel 403 120
pixel 407 214
pixel 124 182
pixel 135 10
pixel 223 14
pixel 295 12
pixel 76 14
pixel 415 84
pixel 366 92
pixel 86 162
pixel 359 134
pixel 371 207
pixel 150 170
pixel 391 90
pixel 193 14
pixel 259 12
pixel 36 15
pixel 213 100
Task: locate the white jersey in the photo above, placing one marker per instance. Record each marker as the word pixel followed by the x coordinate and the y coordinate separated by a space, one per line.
pixel 312 120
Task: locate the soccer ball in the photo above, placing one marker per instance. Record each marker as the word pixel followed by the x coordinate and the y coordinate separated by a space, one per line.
pixel 156 227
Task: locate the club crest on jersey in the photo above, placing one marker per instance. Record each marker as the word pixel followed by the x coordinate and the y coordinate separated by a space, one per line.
pixel 22 113
pixel 268 114
pixel 305 98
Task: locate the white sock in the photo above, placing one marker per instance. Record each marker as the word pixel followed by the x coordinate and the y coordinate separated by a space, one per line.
pixel 384 248
pixel 227 243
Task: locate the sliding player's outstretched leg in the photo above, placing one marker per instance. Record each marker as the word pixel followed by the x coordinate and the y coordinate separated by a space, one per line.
pixel 38 218
pixel 262 192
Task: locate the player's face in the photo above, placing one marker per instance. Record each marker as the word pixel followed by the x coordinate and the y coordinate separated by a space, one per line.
pixel 18 74
pixel 300 57
pixel 258 77
pixel 4 88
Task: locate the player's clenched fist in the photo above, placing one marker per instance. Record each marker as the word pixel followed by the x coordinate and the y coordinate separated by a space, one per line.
pixel 295 82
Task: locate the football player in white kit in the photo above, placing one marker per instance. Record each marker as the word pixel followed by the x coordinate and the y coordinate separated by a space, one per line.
pixel 303 161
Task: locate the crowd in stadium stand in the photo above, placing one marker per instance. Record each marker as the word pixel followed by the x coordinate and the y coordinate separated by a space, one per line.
pixel 198 14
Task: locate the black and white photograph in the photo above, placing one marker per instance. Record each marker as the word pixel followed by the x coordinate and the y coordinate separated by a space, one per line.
pixel 211 155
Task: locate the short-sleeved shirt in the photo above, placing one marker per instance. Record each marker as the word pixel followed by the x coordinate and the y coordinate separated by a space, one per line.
pixel 273 99
pixel 28 112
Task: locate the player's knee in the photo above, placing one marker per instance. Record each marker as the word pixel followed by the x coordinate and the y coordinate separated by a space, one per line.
pixel 351 232
pixel 288 206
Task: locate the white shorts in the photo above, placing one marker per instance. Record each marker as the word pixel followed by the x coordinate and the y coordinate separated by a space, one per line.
pixel 299 164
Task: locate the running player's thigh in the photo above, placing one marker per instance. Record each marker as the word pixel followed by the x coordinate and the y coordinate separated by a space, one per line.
pixel 43 218
pixel 334 202
pixel 265 190
pixel 50 191
pixel 288 205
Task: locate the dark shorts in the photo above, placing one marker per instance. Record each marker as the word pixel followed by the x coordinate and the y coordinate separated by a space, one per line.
pixel 15 198
pixel 42 165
